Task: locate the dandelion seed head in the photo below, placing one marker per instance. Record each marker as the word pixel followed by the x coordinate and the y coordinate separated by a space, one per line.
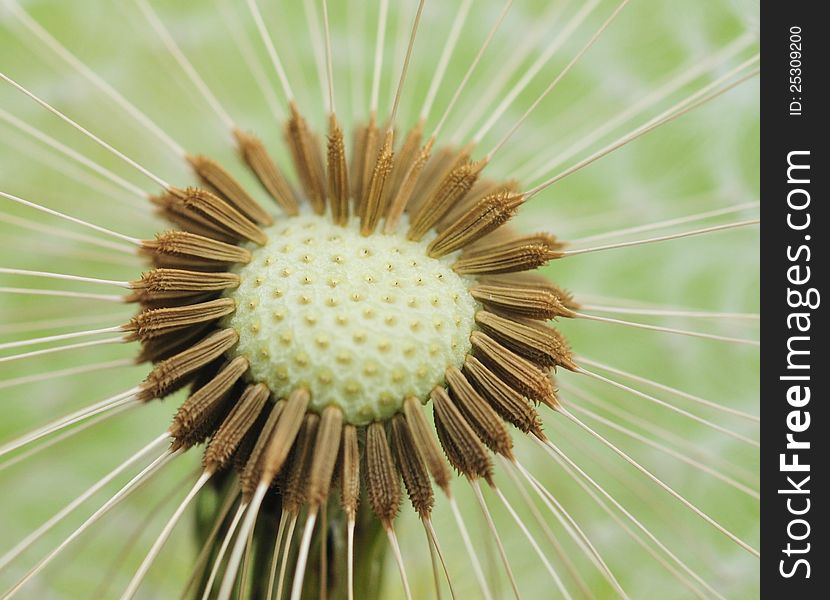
pixel 360 345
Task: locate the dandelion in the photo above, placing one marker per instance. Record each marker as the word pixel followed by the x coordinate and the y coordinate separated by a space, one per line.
pixel 359 315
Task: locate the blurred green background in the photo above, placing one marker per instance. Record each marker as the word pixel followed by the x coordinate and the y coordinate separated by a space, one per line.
pixel 706 160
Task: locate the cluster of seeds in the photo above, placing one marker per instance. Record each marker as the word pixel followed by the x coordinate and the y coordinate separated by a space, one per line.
pixel 311 341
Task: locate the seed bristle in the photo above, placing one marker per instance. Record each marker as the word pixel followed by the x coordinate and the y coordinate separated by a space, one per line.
pixel 198 416
pixel 234 427
pixel 267 172
pixel 486 215
pixel 535 341
pixel 510 404
pixel 307 158
pixel 325 455
pixel 411 467
pixel 383 487
pixel 462 446
pixel 371 207
pixel 521 374
pixel 152 323
pixel 479 415
pixel 225 185
pixel 338 173
pixel 522 301
pixel 424 442
pixel 170 370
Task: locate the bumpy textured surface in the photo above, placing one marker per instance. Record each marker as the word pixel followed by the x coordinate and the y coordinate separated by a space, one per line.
pixel 363 322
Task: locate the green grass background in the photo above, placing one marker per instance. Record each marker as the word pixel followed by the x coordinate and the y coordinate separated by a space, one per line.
pixel 706 160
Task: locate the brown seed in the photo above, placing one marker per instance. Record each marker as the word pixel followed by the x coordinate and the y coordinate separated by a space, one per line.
pixel 236 425
pixel 325 455
pixel 405 157
pixel 298 469
pixel 202 203
pixel 510 404
pixel 538 304
pixel 411 467
pixel 172 283
pixel 367 161
pixel 152 323
pixel 481 417
pixel 349 461
pixel 521 254
pixel 307 159
pixel 284 434
pixel 197 416
pixel 482 188
pixel 383 485
pixel 192 247
pixel 263 166
pixel 450 191
pixel 532 281
pixel 521 374
pixel 170 370
pixel 251 469
pixel 167 345
pixel 227 187
pixel 402 193
pixel 437 168
pixel 357 162
pixel 535 341
pixel 486 215
pixel 462 446
pixel 424 442
pixel 338 174
pixel 372 207
pixel 170 206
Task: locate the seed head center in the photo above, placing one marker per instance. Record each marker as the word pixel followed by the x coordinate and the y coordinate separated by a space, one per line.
pixel 361 322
